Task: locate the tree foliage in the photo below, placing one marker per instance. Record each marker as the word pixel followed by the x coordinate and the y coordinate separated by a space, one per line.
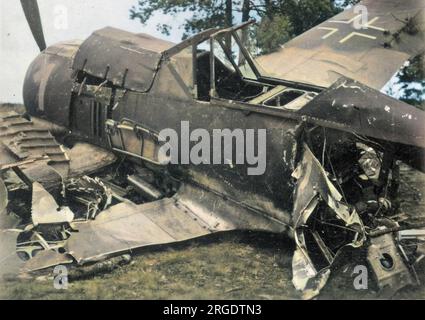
pixel 412 82
pixel 282 20
pixel 294 16
pixel 204 13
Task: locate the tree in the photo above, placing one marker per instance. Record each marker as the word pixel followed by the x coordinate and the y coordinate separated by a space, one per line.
pixel 282 20
pixel 205 13
pixel 295 16
pixel 411 78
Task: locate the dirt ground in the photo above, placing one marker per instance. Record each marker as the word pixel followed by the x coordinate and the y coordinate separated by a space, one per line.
pixel 229 266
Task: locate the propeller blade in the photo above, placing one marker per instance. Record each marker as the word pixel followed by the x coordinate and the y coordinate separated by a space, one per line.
pixel 32 13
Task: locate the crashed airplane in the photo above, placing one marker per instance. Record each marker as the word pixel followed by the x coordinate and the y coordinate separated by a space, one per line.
pixel 82 176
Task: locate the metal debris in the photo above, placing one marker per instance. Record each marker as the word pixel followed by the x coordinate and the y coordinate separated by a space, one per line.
pixel 45 210
pixel 90 193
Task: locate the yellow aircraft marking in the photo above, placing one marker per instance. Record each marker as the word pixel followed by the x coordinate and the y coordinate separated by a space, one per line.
pixel 353 34
pixel 369 25
pixel 346 22
pixel 331 31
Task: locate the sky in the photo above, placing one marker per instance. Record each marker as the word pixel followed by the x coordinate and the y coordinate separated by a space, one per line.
pixel 62 20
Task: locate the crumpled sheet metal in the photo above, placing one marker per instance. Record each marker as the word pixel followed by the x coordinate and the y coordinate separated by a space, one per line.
pixel 80 164
pixel 45 209
pixel 312 181
pixel 305 278
pixel 312 186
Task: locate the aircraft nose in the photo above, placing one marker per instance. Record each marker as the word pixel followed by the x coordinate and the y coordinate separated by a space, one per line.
pixel 48 84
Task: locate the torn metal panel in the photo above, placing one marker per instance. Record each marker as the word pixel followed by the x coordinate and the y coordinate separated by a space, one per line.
pixel 45 209
pixel 305 278
pixel 221 213
pixel 83 159
pixel 312 181
pixel 312 259
pixel 42 173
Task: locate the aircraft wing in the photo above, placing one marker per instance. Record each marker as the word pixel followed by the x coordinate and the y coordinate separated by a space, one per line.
pixel 127 227
pixel 372 54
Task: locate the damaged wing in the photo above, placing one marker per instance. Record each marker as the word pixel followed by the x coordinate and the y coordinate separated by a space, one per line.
pixel 127 226
pixel 189 214
pixel 353 107
pixel 60 236
pixel 370 51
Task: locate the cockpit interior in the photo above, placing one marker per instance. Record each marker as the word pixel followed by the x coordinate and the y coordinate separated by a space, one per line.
pixel 226 70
